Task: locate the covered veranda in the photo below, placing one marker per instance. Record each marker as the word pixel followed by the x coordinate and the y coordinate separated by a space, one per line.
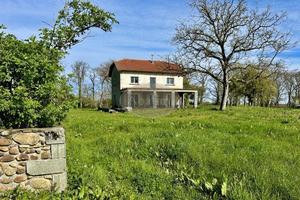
pixel 158 98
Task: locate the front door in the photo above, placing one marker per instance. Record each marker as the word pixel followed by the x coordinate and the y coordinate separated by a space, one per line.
pixel 152 82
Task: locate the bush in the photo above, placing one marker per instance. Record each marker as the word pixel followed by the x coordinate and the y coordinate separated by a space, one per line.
pixel 33 91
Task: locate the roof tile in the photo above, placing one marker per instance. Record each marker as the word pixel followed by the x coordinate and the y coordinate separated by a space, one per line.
pixel 147 66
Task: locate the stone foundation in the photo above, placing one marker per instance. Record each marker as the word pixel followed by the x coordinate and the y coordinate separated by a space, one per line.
pixel 33 159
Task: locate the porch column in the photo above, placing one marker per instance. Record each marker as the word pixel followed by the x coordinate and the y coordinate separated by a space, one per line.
pixel 129 98
pixel 196 99
pixel 173 99
pixel 154 96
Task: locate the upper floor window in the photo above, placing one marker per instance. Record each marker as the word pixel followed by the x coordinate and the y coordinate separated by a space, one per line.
pixel 134 80
pixel 170 81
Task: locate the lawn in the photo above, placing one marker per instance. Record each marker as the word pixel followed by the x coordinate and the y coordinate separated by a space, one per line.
pixel 242 153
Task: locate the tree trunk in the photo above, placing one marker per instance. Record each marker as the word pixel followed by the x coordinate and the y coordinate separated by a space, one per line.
pixel 289 99
pixel 101 95
pixel 225 93
pixel 201 99
pixel 80 93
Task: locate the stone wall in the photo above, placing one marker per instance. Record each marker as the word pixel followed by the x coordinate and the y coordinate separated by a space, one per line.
pixel 33 159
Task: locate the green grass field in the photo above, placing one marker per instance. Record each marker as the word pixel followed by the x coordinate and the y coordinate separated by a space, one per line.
pixel 242 153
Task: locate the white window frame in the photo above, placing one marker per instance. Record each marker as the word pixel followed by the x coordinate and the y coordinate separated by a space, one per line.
pixel 134 80
pixel 168 81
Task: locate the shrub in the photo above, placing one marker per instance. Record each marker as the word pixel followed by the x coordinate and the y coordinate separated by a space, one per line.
pixel 33 91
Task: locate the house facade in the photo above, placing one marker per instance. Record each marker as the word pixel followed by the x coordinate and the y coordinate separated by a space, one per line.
pixel 148 84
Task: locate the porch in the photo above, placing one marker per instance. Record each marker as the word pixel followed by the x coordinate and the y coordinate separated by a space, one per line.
pixel 158 98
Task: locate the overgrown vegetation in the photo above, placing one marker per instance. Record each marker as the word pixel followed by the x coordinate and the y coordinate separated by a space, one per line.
pixel 242 153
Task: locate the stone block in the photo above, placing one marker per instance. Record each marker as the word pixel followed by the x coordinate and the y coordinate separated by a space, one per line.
pixel 20 178
pixel 14 150
pixel 5 133
pixel 34 157
pixel 58 150
pixel 60 181
pixel 58 141
pixel 45 155
pixel 23 157
pixel 26 138
pixel 42 167
pixel 4 142
pixel 5 180
pixel 40 183
pixel 20 170
pixel 3 148
pixel 55 136
pixel 8 170
pixel 7 158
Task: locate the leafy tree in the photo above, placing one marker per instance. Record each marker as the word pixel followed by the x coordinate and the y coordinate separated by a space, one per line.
pixel 259 90
pixel 33 92
pixel 73 23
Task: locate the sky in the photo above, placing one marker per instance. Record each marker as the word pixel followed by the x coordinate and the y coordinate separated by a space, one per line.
pixel 146 27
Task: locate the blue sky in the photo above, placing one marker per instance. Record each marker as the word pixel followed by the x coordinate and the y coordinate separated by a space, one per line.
pixel 146 27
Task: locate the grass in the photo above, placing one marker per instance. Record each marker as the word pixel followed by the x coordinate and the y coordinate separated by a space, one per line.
pixel 242 153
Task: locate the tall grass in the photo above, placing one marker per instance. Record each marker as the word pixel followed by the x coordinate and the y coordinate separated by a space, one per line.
pixel 242 153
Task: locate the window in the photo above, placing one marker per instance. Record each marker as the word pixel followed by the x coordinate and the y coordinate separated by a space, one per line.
pixel 170 81
pixel 134 80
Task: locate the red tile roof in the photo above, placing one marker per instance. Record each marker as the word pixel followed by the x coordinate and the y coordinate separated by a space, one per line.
pixel 147 66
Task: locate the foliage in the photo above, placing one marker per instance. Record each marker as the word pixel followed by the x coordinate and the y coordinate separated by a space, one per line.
pixel 33 91
pixel 259 90
pixel 74 21
pixel 242 153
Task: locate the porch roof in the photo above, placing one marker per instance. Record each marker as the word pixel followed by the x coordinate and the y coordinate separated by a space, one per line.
pixel 158 90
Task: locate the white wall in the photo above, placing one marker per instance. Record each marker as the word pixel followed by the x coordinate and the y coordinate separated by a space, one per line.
pixel 144 81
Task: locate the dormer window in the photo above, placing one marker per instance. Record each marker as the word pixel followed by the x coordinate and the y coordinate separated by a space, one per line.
pixel 170 81
pixel 134 80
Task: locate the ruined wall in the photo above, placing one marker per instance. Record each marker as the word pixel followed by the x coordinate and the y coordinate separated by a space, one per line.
pixel 33 159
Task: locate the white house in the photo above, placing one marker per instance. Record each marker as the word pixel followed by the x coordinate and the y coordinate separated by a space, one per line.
pixel 147 84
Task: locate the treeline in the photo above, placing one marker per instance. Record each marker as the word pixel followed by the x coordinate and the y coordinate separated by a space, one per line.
pixel 252 87
pixel 91 85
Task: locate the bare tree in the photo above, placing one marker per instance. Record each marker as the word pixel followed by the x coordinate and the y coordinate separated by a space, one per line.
pixel 79 72
pixel 93 79
pixel 297 88
pixel 279 82
pixel 290 85
pixel 215 91
pixel 225 33
pixel 201 81
pixel 103 73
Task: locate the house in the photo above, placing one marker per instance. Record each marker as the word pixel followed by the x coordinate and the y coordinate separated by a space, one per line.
pixel 148 84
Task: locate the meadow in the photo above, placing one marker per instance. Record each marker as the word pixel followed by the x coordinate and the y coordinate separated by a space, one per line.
pixel 241 153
